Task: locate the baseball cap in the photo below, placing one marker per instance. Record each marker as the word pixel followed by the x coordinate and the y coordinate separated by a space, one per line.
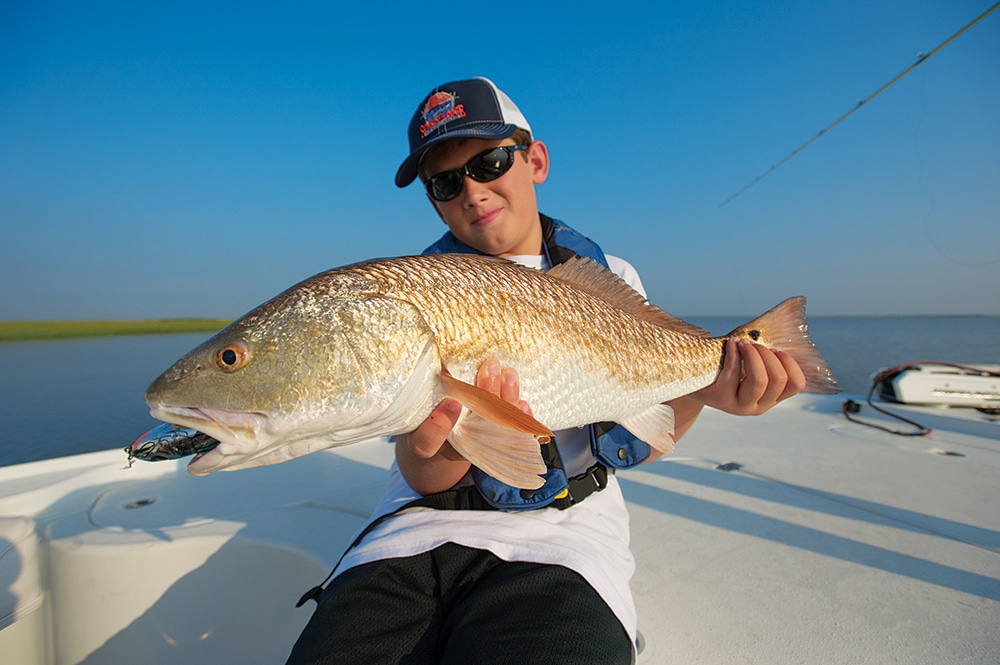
pixel 473 108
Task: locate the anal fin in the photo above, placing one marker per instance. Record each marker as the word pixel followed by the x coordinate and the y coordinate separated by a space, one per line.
pixel 655 426
pixel 497 436
pixel 509 456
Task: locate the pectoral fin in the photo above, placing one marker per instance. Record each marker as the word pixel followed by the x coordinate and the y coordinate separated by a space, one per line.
pixel 655 426
pixel 496 436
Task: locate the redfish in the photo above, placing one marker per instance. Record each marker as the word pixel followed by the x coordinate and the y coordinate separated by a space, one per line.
pixel 368 350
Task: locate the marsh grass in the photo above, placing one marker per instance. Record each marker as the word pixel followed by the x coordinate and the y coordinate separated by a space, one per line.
pixel 16 331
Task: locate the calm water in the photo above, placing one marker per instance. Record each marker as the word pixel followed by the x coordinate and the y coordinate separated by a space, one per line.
pixel 66 397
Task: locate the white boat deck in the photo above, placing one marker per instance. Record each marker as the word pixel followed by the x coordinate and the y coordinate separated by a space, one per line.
pixel 831 543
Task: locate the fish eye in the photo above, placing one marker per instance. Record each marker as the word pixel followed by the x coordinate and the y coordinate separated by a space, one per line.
pixel 232 357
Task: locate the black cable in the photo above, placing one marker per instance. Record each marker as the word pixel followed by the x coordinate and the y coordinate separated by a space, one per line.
pixel 850 406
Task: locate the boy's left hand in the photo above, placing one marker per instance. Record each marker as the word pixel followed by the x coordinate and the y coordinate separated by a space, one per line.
pixel 753 379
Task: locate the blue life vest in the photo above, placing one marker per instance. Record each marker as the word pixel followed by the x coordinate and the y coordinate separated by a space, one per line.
pixel 611 444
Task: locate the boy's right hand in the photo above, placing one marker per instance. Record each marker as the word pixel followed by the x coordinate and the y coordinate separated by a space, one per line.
pixel 425 458
pixel 432 435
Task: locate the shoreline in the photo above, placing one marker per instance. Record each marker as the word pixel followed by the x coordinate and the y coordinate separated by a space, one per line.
pixel 27 331
pixel 24 331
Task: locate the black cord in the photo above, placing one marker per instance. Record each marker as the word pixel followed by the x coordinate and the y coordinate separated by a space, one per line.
pixel 850 406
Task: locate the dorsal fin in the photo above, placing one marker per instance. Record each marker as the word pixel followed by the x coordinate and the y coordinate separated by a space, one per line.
pixel 591 277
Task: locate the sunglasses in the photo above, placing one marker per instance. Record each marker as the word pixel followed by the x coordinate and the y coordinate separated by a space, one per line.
pixel 487 166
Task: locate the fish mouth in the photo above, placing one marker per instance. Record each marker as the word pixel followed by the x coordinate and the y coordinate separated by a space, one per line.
pixel 236 431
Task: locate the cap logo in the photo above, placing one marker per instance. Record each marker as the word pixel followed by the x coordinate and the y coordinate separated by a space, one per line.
pixel 440 108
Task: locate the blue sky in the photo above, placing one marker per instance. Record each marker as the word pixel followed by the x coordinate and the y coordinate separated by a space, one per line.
pixel 194 159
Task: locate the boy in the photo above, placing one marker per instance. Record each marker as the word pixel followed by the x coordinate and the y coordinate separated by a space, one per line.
pixel 473 571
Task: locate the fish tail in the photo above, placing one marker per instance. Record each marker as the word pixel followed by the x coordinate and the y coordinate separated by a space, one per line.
pixel 784 328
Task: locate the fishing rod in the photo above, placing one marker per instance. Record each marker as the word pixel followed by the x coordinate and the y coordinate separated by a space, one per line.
pixel 921 57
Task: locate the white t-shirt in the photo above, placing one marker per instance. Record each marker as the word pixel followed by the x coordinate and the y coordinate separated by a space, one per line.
pixel 590 538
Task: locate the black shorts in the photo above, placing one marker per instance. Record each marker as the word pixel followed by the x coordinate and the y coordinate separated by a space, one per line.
pixel 460 605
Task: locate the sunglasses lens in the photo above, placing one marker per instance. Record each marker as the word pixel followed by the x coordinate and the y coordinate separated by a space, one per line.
pixel 491 165
pixel 445 186
pixel 482 168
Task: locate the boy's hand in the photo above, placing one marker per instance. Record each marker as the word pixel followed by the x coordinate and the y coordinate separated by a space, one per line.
pixel 431 436
pixel 753 379
pixel 424 456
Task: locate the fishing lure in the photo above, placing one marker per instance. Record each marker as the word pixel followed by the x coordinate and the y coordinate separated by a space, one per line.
pixel 166 442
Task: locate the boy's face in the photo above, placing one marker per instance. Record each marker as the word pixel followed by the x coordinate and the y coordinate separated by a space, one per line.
pixel 498 217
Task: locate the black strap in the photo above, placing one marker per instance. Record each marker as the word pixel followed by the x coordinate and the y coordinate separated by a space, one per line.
pixel 458 498
pixel 557 253
pixel 592 480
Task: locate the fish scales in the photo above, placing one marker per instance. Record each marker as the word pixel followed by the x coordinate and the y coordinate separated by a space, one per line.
pixel 564 342
pixel 369 350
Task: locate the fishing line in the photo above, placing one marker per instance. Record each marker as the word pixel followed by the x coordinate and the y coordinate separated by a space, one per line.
pixel 921 57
